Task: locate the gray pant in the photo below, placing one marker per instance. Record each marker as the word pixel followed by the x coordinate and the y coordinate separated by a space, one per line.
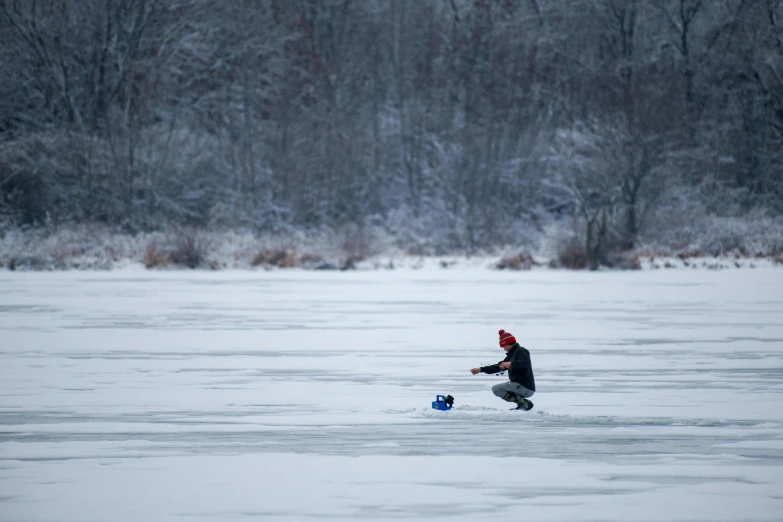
pixel 511 387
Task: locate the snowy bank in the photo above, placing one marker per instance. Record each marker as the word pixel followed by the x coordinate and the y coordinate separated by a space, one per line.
pixel 101 248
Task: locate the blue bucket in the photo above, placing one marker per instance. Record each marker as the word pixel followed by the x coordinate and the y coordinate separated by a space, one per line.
pixel 441 404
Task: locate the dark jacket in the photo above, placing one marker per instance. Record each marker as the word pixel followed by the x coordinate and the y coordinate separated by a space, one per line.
pixel 521 371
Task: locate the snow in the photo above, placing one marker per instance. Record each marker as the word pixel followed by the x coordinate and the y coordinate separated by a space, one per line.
pixel 294 395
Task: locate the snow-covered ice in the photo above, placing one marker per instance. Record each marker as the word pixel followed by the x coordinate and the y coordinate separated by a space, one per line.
pixel 292 395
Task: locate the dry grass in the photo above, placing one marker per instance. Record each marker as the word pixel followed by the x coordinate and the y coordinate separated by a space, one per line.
pixel 315 262
pixel 187 248
pixel 690 254
pixel 190 249
pixel 651 252
pixel 520 261
pixel 63 253
pixel 350 262
pixel 32 262
pixel 310 259
pixel 357 242
pixel 281 258
pixel 632 262
pixel 573 257
pixel 154 257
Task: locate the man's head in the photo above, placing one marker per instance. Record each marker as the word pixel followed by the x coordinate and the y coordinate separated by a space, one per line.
pixel 506 340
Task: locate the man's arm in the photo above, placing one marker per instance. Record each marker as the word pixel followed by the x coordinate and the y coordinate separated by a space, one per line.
pixel 492 368
pixel 495 368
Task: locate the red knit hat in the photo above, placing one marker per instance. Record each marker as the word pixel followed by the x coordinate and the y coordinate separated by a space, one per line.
pixel 506 338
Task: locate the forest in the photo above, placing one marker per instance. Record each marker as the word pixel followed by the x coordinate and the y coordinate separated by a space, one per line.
pixel 592 129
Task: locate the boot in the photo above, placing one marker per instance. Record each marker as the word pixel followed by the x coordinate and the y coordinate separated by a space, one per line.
pixel 521 402
pixel 510 397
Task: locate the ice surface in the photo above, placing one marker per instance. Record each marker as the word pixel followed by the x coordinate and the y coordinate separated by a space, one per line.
pixel 163 396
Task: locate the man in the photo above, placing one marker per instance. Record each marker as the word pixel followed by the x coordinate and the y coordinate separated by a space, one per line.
pixel 521 384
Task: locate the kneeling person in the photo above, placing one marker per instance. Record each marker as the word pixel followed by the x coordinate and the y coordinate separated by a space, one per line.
pixel 521 383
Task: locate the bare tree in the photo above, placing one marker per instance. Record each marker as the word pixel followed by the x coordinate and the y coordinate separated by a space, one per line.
pixel 588 163
pixel 274 114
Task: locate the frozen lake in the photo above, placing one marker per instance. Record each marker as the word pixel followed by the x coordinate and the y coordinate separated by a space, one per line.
pixel 303 396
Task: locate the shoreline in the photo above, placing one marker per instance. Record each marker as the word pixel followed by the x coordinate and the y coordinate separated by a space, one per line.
pixel 489 263
pixel 96 248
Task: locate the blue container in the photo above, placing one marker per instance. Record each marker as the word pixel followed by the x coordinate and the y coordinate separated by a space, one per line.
pixel 440 403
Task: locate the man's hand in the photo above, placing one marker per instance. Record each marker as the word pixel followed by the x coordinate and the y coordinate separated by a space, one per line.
pixel 474 371
pixel 505 365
